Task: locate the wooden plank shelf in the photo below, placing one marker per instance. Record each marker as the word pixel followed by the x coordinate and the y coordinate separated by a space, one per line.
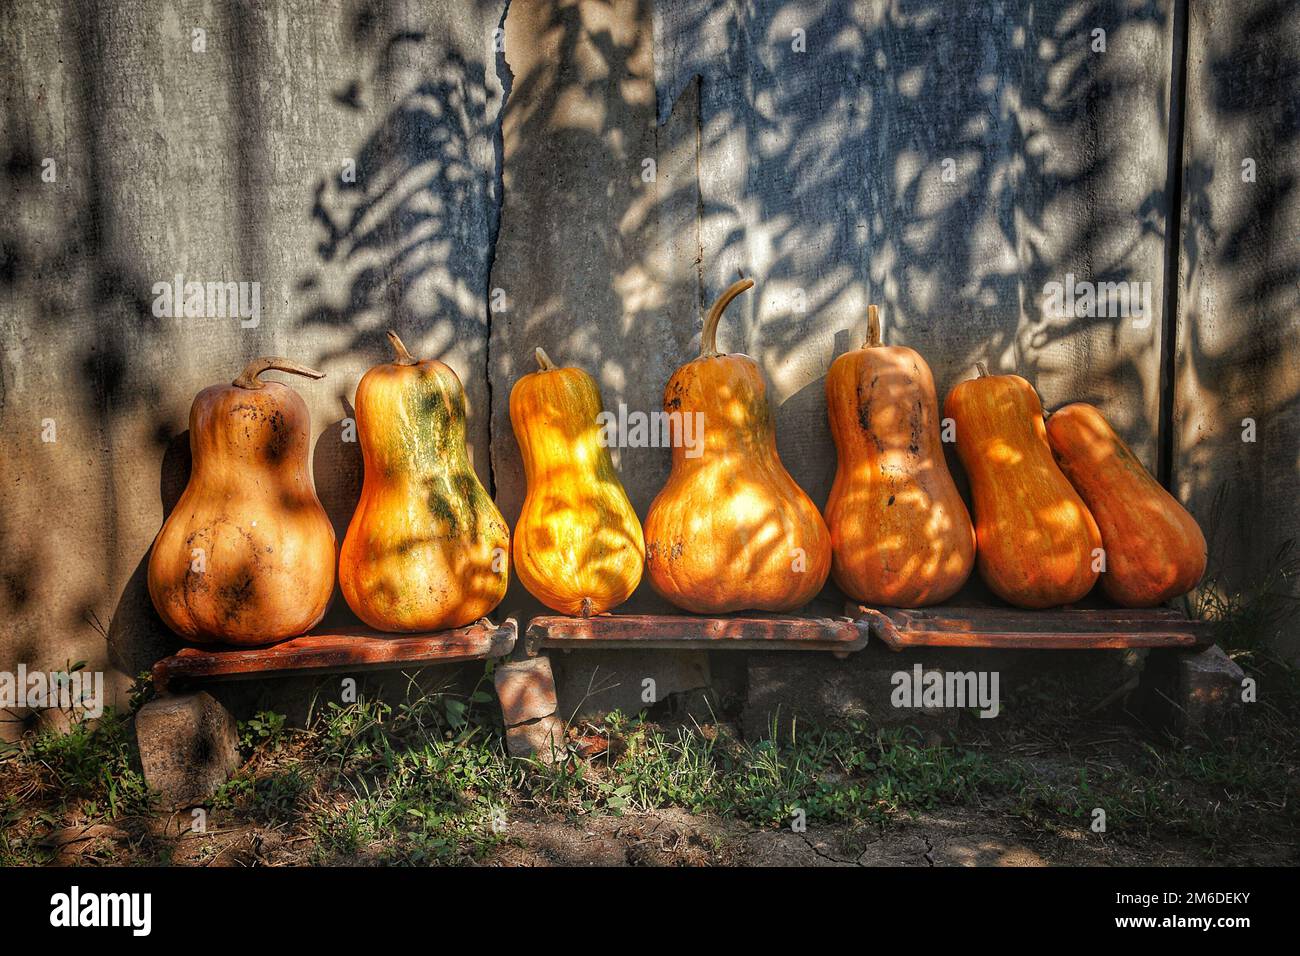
pixel 338 650
pixel 1054 629
pixel 755 632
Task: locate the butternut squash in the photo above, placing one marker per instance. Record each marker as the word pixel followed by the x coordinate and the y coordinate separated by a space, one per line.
pixel 247 555
pixel 578 546
pixel 1037 544
pixel 426 549
pixel 1155 550
pixel 731 529
pixel 900 533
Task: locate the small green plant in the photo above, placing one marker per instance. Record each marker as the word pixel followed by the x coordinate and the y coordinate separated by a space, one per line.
pixel 13 850
pixel 265 729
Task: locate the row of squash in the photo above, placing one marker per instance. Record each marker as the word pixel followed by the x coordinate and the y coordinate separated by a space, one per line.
pixel 248 555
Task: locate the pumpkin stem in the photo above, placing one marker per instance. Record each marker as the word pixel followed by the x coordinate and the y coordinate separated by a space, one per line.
pixel 248 377
pixel 982 369
pixel 543 360
pixel 403 356
pixel 586 607
pixel 709 337
pixel 873 326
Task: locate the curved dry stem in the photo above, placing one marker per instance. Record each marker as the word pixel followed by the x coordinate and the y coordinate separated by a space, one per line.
pixel 982 369
pixel 543 360
pixel 248 378
pixel 709 337
pixel 402 356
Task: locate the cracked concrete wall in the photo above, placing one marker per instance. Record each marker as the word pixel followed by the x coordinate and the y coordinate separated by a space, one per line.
pixel 947 162
pixel 597 255
pixel 342 156
pixel 804 143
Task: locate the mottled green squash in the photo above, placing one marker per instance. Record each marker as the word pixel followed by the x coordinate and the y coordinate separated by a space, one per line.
pixel 427 549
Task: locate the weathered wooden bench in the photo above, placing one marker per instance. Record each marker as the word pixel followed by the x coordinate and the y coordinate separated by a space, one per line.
pixel 343 650
pixel 1011 629
pixel 188 740
pixel 751 632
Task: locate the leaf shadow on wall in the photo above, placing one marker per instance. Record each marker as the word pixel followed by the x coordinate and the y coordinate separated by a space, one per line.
pixel 581 256
pixel 405 229
pixel 840 192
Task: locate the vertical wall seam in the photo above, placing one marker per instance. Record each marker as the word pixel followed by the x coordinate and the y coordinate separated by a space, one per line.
pixel 1173 243
pixel 506 78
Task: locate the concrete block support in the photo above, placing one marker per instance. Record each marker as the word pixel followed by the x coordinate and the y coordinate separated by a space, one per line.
pixel 189 746
pixel 542 739
pixel 526 690
pixel 1193 694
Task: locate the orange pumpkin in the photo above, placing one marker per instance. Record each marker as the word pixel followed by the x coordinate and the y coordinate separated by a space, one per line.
pixel 577 545
pixel 247 554
pixel 900 533
pixel 1037 544
pixel 731 529
pixel 426 548
pixel 1155 551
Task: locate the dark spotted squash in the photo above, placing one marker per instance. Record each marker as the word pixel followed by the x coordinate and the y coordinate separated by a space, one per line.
pixel 247 554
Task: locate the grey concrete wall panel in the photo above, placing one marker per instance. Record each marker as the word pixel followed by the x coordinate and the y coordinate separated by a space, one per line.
pixel 1238 319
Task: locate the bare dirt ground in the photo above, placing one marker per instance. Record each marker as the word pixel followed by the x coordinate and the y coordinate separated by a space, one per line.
pixel 673 837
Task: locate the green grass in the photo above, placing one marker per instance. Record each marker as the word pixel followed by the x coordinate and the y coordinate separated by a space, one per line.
pixel 850 773
pixel 853 775
pixel 415 784
pixel 271 798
